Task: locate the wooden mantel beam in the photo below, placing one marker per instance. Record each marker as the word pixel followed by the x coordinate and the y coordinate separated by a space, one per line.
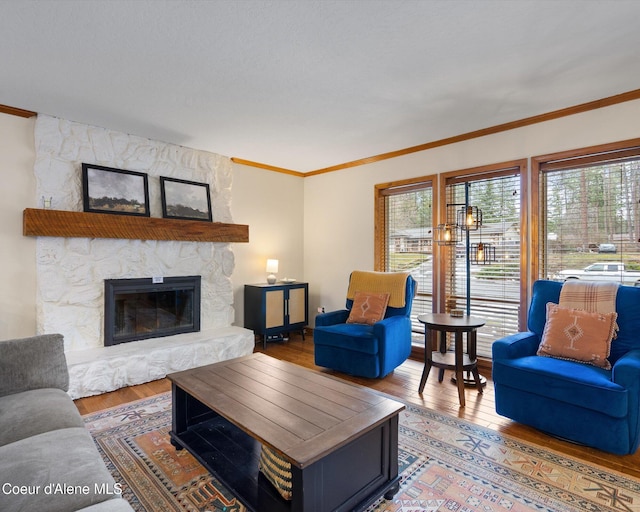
pixel 60 223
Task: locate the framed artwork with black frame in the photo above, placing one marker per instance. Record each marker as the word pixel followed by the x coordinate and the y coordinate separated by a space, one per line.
pixel 182 199
pixel 108 190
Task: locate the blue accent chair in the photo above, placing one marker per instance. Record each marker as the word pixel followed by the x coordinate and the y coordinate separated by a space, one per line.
pixel 370 351
pixel 573 401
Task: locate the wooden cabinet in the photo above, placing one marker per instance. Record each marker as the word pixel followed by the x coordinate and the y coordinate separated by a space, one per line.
pixel 271 310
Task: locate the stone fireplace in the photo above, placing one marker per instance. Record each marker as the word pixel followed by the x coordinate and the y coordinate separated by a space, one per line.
pixel 71 272
pixel 137 309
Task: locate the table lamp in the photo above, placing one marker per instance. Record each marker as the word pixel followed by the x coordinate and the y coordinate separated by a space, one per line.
pixel 272 269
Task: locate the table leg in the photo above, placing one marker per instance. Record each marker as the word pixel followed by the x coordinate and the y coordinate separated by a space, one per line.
pixel 427 360
pixel 425 374
pixel 476 376
pixel 443 350
pixel 459 378
pixel 472 339
pixel 443 342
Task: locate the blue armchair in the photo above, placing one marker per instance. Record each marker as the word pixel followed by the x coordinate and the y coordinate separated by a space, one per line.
pixel 571 400
pixel 367 350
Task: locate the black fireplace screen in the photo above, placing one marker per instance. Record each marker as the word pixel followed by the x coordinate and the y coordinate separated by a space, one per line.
pixel 137 309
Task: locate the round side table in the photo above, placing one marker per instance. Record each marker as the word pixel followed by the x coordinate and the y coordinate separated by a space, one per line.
pixel 457 361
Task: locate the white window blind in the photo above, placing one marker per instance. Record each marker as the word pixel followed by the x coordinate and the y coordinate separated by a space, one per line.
pixel 408 242
pixel 590 214
pixel 494 284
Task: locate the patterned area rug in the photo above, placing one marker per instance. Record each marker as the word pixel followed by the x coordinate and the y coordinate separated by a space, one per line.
pixel 446 464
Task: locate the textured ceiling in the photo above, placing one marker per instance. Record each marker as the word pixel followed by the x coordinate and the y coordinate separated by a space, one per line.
pixel 310 84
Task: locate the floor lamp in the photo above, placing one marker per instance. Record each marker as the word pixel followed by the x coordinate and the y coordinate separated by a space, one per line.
pixel 464 218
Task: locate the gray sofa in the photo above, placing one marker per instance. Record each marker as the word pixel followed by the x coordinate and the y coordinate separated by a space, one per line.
pixel 48 460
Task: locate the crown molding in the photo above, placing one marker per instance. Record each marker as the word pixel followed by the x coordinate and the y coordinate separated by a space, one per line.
pixel 528 121
pixel 541 118
pixel 6 109
pixel 259 165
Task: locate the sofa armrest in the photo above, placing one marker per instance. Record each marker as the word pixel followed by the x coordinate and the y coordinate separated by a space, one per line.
pixel 516 345
pixel 332 318
pixel 33 363
pixel 626 371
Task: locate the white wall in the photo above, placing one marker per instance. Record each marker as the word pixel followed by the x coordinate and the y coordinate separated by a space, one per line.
pixel 17 252
pixel 271 203
pixel 320 227
pixel 339 206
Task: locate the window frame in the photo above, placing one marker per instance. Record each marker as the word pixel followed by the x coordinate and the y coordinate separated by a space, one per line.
pixel 519 167
pixel 567 160
pixel 438 183
pixel 383 190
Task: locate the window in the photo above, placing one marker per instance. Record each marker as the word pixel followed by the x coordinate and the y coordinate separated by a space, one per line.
pixel 405 211
pixel 490 287
pixel 405 219
pixel 590 213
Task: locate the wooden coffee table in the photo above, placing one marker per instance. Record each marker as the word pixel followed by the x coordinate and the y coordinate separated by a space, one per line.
pixel 341 439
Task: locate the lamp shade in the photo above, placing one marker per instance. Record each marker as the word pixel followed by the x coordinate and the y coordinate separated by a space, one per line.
pixel 446 234
pixel 272 270
pixel 272 266
pixel 482 253
pixel 469 218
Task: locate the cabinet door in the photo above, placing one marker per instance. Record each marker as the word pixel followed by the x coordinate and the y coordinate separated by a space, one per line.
pixel 297 306
pixel 274 308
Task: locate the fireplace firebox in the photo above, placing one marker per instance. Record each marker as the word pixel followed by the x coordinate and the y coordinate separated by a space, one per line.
pixel 137 309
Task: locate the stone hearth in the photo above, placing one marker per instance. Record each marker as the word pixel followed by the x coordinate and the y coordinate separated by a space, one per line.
pixel 99 370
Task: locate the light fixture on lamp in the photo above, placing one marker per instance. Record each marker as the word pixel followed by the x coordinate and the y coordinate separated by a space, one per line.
pixel 463 217
pixel 272 269
pixel 446 234
pixel 482 253
pixel 469 218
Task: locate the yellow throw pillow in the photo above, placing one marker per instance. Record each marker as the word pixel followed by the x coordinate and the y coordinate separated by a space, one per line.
pixel 578 335
pixel 368 308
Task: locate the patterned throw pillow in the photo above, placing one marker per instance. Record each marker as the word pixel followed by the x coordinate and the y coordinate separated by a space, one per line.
pixel 277 470
pixel 368 308
pixel 577 335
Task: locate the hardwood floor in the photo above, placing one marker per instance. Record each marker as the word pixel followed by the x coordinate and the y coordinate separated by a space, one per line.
pixel 403 384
